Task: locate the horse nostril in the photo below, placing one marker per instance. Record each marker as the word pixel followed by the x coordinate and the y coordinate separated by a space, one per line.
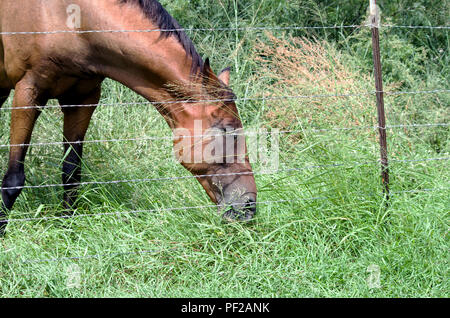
pixel 244 212
pixel 251 206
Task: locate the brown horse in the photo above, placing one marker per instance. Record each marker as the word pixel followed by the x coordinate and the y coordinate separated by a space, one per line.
pixel 70 67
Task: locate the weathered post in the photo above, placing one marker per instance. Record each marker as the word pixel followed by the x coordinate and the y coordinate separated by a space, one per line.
pixel 374 18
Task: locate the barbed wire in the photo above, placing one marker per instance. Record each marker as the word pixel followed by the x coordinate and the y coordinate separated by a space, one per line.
pixel 258 28
pixel 251 133
pixel 235 28
pixel 446 27
pixel 118 213
pixel 192 101
pixel 197 207
pixel 170 178
pixel 334 165
pixel 242 99
pixel 153 251
pixel 420 190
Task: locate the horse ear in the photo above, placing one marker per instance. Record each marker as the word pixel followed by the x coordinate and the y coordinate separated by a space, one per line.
pixel 207 70
pixel 209 78
pixel 224 76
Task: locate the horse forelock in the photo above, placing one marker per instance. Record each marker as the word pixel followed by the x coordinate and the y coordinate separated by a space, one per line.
pixel 156 12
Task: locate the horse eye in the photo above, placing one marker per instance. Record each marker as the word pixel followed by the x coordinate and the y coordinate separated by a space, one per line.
pixel 230 131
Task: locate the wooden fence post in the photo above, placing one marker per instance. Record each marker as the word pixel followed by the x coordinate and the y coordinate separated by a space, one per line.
pixel 375 19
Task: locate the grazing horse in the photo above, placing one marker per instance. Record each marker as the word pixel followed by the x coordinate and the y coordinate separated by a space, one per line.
pixel 70 66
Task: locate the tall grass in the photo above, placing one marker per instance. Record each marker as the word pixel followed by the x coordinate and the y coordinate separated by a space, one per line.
pixel 322 242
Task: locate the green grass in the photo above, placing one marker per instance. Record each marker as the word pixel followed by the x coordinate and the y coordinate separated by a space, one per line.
pixel 320 244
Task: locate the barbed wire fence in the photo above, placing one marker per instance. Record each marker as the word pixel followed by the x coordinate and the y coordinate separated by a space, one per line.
pixel 381 127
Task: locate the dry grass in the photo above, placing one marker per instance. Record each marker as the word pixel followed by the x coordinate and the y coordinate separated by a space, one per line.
pixel 299 66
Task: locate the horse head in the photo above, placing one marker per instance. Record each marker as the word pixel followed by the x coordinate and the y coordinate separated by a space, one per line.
pixel 209 141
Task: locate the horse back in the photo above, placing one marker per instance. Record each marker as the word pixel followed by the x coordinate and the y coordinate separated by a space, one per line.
pixel 49 58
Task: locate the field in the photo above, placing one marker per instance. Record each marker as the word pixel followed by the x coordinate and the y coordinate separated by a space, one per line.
pixel 331 236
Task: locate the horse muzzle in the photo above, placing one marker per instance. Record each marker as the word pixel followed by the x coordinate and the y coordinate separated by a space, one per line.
pixel 241 212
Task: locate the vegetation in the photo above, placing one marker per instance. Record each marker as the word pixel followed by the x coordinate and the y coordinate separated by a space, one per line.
pixel 325 240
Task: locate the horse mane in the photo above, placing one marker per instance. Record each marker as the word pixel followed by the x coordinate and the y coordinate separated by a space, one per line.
pixel 156 12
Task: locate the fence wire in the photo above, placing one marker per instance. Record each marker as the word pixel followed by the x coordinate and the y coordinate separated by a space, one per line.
pixel 197 207
pixel 283 132
pixel 234 28
pixel 154 251
pixel 333 165
pixel 242 99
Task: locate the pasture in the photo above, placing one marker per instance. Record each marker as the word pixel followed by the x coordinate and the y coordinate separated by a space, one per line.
pixel 322 228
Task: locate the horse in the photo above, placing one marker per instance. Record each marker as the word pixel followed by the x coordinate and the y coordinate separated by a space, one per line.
pixel 70 66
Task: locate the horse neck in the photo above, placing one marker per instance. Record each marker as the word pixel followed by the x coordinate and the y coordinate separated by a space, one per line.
pixel 145 62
